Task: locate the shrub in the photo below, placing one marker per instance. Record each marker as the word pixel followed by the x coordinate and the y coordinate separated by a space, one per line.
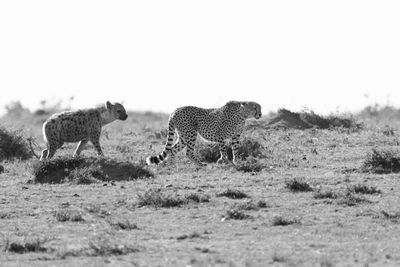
pixel 236 214
pixel 159 199
pixel 13 145
pixel 297 185
pixel 281 221
pixel 232 193
pixel 25 247
pixel 86 175
pixel 63 215
pixel 350 199
pixel 319 194
pixel 381 161
pixel 122 224
pixel 197 198
pixel 250 205
pixel 364 189
pixel 209 152
pixel 105 247
pixel 250 165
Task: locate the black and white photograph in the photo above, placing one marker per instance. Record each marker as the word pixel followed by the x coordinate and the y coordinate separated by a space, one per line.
pixel 199 133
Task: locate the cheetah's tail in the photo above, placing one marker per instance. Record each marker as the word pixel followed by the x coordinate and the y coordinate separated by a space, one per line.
pixel 168 145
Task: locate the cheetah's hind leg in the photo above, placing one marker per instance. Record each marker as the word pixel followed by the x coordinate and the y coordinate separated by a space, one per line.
pixel 191 140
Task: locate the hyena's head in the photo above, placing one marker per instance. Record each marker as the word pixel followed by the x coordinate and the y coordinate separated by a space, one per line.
pixel 117 111
pixel 251 109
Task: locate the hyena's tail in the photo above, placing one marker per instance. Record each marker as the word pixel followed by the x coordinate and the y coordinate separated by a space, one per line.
pixel 168 145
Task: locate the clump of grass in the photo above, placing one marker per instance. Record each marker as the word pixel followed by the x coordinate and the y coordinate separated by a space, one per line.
pixel 364 189
pixel 388 131
pixel 198 198
pixel 250 165
pixel 59 170
pixel 282 221
pixel 123 224
pixel 13 145
pixel 159 199
pixel 21 247
pixel 104 247
pixel 86 175
pixel 297 185
pixel 278 258
pixel 381 161
pixel 321 194
pixel 65 214
pixel 190 236
pixel 232 193
pixel 209 152
pixel 235 214
pixel 350 199
pixel 394 217
pixel 250 205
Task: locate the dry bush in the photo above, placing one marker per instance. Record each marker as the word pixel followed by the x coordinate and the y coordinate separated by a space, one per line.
pixel 381 161
pixel 282 221
pixel 297 185
pixel 232 193
pixel 235 214
pixel 364 189
pixel 198 198
pixel 159 199
pixel 250 165
pixel 249 147
pixel 13 145
pixel 27 246
pixel 66 214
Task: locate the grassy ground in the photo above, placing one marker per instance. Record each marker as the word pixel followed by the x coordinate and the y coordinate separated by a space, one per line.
pixel 311 204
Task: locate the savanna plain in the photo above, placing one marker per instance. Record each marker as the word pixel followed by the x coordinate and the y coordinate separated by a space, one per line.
pixel 308 191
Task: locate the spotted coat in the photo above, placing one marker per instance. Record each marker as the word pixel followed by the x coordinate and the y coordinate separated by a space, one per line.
pixel 216 125
pixel 79 126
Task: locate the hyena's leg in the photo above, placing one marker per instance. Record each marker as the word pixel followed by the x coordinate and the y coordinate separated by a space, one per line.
pixel 96 144
pixel 190 143
pixel 80 147
pixel 52 147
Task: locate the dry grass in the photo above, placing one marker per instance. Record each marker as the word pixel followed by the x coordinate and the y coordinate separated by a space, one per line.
pixel 116 211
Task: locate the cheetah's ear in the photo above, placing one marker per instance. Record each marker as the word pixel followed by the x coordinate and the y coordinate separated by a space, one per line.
pixel 108 105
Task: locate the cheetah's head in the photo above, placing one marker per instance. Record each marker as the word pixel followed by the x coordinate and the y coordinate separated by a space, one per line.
pixel 251 109
pixel 117 111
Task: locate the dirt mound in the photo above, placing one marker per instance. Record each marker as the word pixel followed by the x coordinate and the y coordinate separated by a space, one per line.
pixel 62 170
pixel 308 119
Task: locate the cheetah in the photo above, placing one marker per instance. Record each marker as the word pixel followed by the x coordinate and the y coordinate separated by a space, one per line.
pixel 79 126
pixel 215 125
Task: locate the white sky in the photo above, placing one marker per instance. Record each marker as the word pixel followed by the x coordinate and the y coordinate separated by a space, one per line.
pixel 158 55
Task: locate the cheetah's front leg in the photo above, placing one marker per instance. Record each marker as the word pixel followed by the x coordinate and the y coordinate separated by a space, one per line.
pixel 222 150
pixel 235 148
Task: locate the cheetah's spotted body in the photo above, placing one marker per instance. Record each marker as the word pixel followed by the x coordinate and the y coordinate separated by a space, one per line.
pixel 79 126
pixel 215 125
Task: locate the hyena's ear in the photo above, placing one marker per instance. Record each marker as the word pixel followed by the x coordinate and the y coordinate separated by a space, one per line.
pixel 108 105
